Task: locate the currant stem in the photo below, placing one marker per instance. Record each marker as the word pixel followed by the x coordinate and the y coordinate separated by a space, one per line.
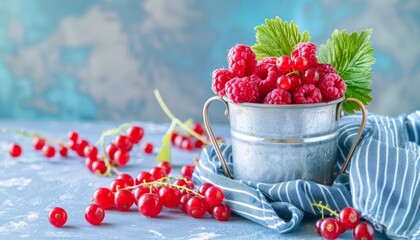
pixel 176 120
pixel 325 207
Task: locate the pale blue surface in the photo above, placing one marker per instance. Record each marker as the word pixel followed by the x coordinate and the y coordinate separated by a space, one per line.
pixel 85 60
pixel 31 185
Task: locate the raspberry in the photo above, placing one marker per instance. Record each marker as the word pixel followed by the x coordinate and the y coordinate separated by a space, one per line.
pixel 278 96
pixel 332 87
pixel 242 60
pixel 268 61
pixel 266 78
pixel 308 51
pixel 307 93
pixel 219 79
pixel 242 90
pixel 324 69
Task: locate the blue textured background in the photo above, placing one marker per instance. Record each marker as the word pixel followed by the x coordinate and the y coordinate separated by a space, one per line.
pixel 88 60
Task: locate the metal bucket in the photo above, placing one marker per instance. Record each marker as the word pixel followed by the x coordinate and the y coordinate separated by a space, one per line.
pixel 277 143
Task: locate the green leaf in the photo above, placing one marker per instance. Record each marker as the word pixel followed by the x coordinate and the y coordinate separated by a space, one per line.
pixel 351 55
pixel 164 153
pixel 277 38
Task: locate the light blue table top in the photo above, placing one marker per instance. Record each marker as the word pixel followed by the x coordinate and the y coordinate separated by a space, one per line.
pixel 31 185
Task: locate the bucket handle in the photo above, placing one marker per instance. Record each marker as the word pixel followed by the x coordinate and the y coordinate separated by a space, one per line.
pixel 211 134
pixel 359 133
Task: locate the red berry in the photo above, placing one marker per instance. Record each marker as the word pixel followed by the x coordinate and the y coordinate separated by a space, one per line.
pixel 73 136
pixel 332 87
pixel 349 217
pixel 121 157
pixel 94 214
pixel 284 64
pixel 62 151
pixel 296 83
pixel 170 196
pixel 104 198
pixel 203 188
pixel 127 178
pixel 187 171
pixel 330 228
pixel 49 151
pixel 196 207
pixel 148 148
pixel 99 166
pixel 183 201
pixel 266 77
pixel 91 151
pixel 198 128
pixel 300 64
pixel 214 196
pixel 89 162
pixel 38 143
pixel 124 199
pixel 110 150
pixel 284 82
pixel 166 166
pixel 187 145
pixel 150 205
pixel 135 134
pixel 278 96
pixel 144 177
pixel 140 191
pixel 307 93
pixel 241 90
pixel 117 184
pixel 123 142
pixel 221 212
pixel 318 226
pixel 308 51
pixel 310 76
pixel 157 173
pixel 80 148
pixel 219 79
pixel 186 183
pixel 57 216
pixel 15 150
pixel 242 60
pixel 363 231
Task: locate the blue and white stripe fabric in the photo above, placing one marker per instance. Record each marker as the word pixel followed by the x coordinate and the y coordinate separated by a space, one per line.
pixel 382 181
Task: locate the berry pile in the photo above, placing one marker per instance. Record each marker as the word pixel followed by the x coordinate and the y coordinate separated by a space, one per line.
pixel 347 219
pixel 151 191
pixel 298 79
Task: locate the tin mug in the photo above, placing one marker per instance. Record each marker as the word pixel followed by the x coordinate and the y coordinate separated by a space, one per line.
pixel 277 143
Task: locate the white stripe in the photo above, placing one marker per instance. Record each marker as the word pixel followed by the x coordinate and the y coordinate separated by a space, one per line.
pixel 359 178
pixel 287 192
pixel 297 192
pixel 414 190
pixel 329 192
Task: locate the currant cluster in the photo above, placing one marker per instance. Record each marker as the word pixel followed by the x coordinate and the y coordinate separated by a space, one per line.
pixel 295 79
pixel 186 141
pixel 348 219
pixel 40 144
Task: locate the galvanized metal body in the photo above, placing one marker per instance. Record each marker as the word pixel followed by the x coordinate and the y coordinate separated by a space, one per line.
pixel 275 143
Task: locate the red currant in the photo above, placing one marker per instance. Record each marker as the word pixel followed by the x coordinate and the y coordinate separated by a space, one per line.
pixel 81 144
pixel 127 178
pixel 122 142
pixel 57 216
pixel 221 212
pixel 284 82
pixel 62 151
pixel 124 199
pixel 15 150
pixel 157 173
pixel 141 190
pixel 150 205
pixel 300 63
pixel 38 143
pixel 310 76
pixel 349 217
pixel 121 157
pixel 196 207
pixel 214 196
pixel 104 198
pixel 135 134
pixel 99 166
pixel 187 171
pixel 94 214
pixel 363 231
pixel 284 63
pixel 89 162
pixel 144 177
pixel 203 188
pixel 170 196
pixel 186 183
pixel 330 228
pixel 110 150
pixel 318 226
pixel 49 151
pixel 187 145
pixel 198 128
pixel 183 201
pixel 91 151
pixel 166 166
pixel 73 136
pixel 148 148
pixel 117 184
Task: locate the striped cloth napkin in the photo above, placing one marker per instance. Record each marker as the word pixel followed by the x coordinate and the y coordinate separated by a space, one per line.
pixel 382 181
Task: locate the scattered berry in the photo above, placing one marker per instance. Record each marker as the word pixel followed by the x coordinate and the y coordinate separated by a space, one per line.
pixel 104 198
pixel 221 212
pixel 94 214
pixel 363 231
pixel 148 148
pixel 15 150
pixel 49 151
pixel 57 216
pixel 38 143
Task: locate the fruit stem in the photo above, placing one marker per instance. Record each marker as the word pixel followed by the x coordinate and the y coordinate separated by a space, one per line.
pixel 325 207
pixel 176 120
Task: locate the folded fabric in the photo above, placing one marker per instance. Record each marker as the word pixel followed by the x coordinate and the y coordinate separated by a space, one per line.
pixel 382 181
